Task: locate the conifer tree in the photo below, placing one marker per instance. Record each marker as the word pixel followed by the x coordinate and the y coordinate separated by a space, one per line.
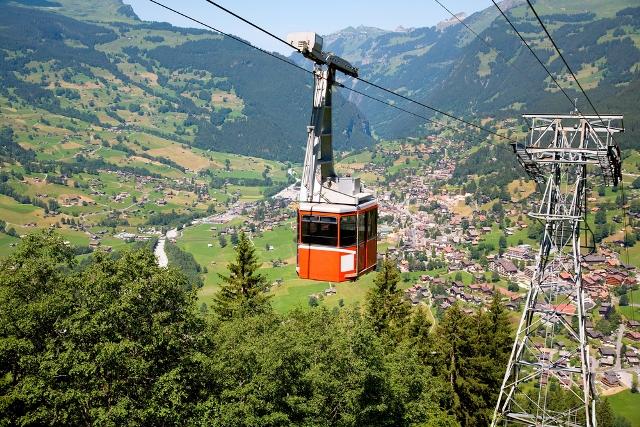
pixel 604 414
pixel 243 291
pixel 386 306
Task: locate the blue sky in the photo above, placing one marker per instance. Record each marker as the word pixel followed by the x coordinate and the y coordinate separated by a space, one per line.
pixel 324 17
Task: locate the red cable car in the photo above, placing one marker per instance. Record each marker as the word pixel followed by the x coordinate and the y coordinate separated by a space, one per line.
pixel 337 217
pixel 337 242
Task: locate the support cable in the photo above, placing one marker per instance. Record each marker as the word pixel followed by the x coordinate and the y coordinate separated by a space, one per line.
pixel 391 92
pixel 534 54
pixel 483 40
pixel 593 107
pixel 238 39
pixel 280 58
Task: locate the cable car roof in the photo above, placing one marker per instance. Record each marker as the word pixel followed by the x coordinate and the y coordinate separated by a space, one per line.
pixel 336 208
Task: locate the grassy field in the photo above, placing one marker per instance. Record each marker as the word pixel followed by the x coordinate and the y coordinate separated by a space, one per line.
pixel 630 312
pixel 626 404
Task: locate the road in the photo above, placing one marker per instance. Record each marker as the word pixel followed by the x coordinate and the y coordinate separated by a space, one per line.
pixel 159 251
pixel 618 365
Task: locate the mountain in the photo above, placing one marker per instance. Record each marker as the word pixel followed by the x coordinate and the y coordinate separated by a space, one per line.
pixel 452 69
pixel 96 62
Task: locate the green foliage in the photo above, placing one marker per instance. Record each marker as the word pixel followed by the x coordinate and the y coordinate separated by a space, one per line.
pixel 119 340
pixel 471 353
pixel 386 305
pixel 624 300
pixel 109 344
pixel 243 292
pixel 185 262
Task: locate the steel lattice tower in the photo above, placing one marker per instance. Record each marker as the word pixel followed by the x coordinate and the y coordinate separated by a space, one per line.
pixel 559 154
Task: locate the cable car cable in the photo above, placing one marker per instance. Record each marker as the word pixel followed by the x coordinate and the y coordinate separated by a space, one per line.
pixel 483 40
pixel 362 79
pixel 566 64
pixel 575 78
pixel 406 111
pixel 299 67
pixel 246 21
pixel 435 109
pixel 310 72
pixel 238 39
pixel 534 54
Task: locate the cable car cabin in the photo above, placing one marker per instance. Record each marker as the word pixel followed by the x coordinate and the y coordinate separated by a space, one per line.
pixel 337 242
pixel 338 217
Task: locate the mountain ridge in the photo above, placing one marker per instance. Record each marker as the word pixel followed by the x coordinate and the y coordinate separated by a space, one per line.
pixel 210 110
pixel 458 73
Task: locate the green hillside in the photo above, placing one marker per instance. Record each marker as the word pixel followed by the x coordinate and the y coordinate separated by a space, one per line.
pixel 97 63
pixel 500 80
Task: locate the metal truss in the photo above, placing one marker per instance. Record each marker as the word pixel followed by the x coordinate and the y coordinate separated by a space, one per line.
pixel 551 349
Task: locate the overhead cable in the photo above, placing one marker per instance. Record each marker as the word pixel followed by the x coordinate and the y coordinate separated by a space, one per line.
pixel 394 93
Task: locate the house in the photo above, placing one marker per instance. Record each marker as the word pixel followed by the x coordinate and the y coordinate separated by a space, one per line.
pixel 632 358
pixel 566 308
pixel 607 351
pixel 513 306
pixel 593 334
pixel 633 324
pixel 632 335
pixel 594 259
pixel 504 267
pixel 565 275
pixel 604 309
pixel 615 279
pixel 610 379
pixel 519 253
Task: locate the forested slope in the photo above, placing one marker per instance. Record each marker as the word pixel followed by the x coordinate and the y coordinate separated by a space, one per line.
pixel 190 85
pixel 499 78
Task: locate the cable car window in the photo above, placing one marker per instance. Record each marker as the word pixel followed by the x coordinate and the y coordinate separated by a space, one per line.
pixel 372 225
pixel 362 224
pixel 319 230
pixel 348 231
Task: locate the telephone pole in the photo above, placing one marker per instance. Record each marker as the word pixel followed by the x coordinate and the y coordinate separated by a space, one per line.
pixel 550 349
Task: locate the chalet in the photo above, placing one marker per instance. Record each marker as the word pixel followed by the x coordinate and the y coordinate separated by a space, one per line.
pixel 607 351
pixel 513 306
pixel 519 253
pixel 610 379
pixel 632 335
pixel 529 272
pixel 456 291
pixel 565 309
pixel 504 267
pixel 594 334
pixel 633 324
pixel 606 361
pixel 593 259
pixel 604 309
pixel 565 275
pixel 615 279
pixel 486 288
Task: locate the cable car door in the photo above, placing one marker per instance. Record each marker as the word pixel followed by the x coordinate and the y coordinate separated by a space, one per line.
pixel 362 242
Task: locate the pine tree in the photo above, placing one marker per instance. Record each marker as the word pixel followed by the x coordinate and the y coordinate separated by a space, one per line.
pixel 386 306
pixel 419 332
pixel 243 291
pixel 604 414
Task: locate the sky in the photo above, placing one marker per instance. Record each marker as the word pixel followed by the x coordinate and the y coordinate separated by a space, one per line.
pixel 285 16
